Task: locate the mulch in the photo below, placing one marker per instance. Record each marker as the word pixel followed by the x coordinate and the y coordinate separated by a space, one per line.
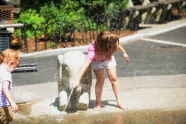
pixel 18 43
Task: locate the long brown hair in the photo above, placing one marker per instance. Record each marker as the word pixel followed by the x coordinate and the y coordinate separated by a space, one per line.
pixel 9 56
pixel 106 44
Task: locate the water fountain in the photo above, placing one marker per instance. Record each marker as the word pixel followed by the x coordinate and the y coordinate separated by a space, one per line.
pixel 69 66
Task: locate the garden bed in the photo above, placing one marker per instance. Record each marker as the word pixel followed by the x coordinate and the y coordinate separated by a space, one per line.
pixel 19 45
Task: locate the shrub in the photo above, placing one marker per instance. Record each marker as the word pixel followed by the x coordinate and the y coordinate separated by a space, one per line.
pixel 32 20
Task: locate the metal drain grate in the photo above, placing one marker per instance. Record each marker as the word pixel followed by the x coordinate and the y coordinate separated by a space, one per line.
pixel 26 68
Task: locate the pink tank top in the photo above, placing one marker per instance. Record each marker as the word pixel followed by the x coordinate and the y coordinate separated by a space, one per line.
pixel 92 54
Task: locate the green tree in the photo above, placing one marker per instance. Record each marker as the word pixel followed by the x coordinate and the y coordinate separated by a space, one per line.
pixel 96 7
pixel 62 16
pixel 35 4
pixel 31 20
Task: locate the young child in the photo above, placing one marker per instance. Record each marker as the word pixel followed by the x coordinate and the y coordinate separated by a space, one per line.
pixel 100 54
pixel 9 59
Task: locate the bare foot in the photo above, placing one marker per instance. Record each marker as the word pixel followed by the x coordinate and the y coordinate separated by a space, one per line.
pixel 97 108
pixel 121 107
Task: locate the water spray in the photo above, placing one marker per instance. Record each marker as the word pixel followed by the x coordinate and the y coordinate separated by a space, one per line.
pixel 60 119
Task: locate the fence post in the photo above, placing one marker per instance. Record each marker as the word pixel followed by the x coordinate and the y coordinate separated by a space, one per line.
pixel 35 38
pixel 23 33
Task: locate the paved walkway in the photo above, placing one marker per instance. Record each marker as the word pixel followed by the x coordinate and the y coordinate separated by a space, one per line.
pixel 138 93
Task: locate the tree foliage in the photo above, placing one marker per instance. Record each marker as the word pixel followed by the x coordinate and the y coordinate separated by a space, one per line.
pixel 31 20
pixel 66 15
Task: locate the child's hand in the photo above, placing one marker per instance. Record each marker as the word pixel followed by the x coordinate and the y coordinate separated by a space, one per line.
pixel 75 85
pixel 125 55
pixel 15 108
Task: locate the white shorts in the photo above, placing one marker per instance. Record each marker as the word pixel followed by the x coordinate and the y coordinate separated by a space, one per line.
pixel 104 65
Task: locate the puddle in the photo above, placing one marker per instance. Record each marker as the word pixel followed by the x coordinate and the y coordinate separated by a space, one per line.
pixel 25 108
pixel 127 117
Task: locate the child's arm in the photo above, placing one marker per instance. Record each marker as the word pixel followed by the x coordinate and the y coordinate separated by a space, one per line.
pixel 123 52
pixel 8 96
pixel 84 68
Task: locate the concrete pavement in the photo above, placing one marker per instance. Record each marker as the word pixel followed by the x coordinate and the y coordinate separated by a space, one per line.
pixel 166 92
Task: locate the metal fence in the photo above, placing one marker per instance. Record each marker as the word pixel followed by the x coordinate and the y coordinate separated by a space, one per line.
pixel 71 33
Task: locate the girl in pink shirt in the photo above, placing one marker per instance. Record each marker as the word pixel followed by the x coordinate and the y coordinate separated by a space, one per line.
pixel 100 54
pixel 9 59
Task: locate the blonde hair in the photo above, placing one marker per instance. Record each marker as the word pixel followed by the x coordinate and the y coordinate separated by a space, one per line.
pixel 106 44
pixel 9 56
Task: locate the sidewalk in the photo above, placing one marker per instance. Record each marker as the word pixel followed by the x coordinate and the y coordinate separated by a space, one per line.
pixel 138 93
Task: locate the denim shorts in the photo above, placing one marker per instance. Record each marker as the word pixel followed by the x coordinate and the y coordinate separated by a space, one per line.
pixel 104 65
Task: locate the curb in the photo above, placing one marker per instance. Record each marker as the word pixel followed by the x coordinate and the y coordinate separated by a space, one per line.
pixel 146 32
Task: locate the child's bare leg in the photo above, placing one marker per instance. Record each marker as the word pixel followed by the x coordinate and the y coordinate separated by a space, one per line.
pixel 99 73
pixel 113 79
